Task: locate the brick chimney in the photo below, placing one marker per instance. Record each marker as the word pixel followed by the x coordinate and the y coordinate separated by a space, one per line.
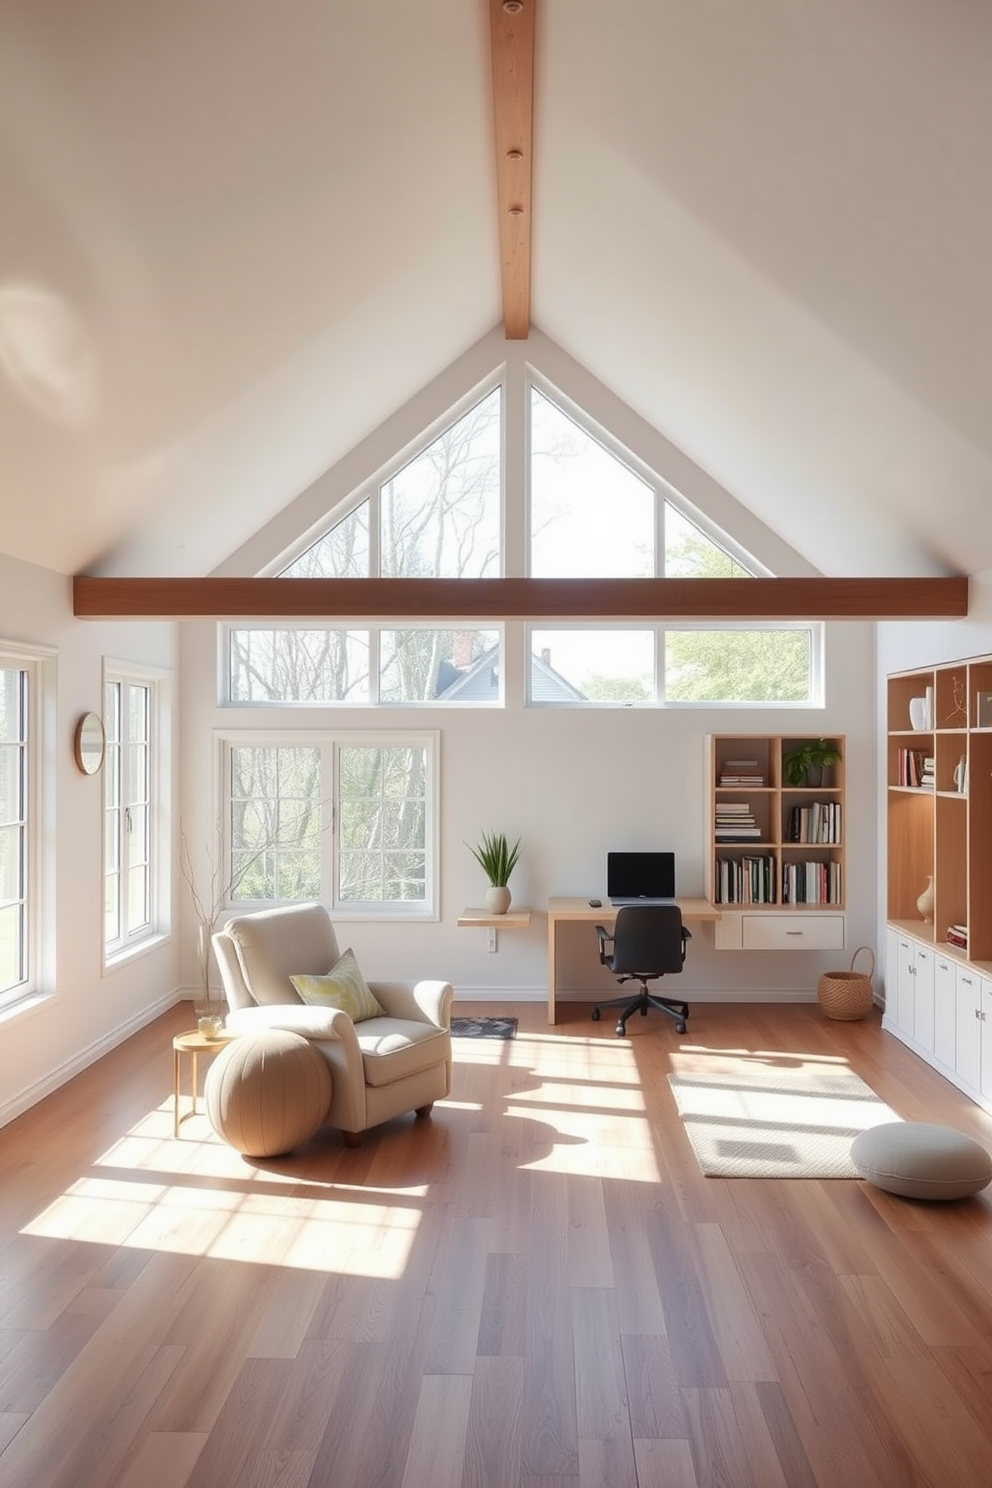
pixel 461 649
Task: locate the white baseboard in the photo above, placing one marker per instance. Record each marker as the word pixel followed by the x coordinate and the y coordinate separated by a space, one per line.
pixel 717 994
pixel 25 1099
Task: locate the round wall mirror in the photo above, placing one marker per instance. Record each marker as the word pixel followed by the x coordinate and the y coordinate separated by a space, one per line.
pixel 88 744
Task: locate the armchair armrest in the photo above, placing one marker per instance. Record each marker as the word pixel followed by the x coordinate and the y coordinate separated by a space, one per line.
pixel 422 1002
pixel 604 936
pixel 309 1022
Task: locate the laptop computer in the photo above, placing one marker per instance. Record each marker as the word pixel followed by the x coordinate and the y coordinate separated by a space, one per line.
pixel 640 878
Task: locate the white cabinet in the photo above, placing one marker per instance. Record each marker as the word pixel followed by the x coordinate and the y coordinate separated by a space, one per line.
pixel 942 1008
pixel 944 971
pixel 909 998
pixel 985 1018
pixel 968 1031
pixel 923 993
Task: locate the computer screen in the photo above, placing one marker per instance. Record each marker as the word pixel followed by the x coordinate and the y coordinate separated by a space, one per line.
pixel 640 875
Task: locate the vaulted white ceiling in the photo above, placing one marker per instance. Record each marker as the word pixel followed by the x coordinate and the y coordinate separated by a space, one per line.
pixel 234 238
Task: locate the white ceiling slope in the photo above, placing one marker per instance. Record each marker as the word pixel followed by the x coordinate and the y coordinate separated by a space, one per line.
pixel 234 239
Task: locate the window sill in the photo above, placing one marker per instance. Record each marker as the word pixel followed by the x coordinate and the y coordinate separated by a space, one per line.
pixel 135 952
pixel 31 1002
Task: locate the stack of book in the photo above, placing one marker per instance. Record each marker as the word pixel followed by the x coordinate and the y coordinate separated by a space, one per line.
pixel 909 767
pixel 735 822
pixel 747 880
pixel 741 772
pixel 957 935
pixel 927 773
pixel 811 883
pixel 817 822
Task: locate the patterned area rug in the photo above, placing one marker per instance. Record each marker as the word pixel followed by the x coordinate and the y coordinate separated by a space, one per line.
pixel 752 1120
pixel 498 1028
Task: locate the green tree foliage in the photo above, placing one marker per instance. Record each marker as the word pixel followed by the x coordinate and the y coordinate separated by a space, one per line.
pixel 721 665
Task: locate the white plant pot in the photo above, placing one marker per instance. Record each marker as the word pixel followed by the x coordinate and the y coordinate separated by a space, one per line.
pixel 497 899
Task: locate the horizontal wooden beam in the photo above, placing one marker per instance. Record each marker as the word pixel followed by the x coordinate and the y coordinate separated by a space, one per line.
pixel 520 599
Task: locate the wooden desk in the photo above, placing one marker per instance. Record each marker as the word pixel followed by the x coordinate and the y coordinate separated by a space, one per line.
pixel 562 910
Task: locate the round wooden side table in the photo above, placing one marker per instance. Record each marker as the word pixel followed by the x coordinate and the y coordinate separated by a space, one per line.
pixel 194 1044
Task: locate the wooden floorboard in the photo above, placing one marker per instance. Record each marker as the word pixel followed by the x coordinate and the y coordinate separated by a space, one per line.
pixel 536 1288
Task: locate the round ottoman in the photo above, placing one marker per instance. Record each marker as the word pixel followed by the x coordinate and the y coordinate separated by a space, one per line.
pixel 921 1161
pixel 268 1092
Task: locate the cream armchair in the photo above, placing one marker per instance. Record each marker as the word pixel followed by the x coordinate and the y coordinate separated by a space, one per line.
pixel 381 1066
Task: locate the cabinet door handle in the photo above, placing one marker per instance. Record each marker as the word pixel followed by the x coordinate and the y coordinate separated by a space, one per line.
pixel 793 932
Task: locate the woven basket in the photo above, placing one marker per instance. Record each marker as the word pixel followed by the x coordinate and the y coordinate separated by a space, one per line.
pixel 847 995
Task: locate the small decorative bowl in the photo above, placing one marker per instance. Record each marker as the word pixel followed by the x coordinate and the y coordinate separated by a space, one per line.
pixel 210 1026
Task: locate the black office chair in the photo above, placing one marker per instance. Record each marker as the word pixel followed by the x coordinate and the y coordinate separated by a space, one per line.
pixel 648 942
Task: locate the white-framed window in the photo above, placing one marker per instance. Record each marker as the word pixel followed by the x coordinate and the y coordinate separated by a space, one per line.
pixel 350 819
pixel 16 838
pixel 362 665
pixel 134 788
pixel 27 688
pixel 758 664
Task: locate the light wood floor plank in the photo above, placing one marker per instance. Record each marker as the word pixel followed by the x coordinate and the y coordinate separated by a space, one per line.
pixel 165 1459
pixel 437 1446
pixel 665 1464
pixel 656 1409
pixel 494 1438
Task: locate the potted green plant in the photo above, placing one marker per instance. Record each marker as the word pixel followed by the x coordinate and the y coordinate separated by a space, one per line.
pixel 497 860
pixel 805 764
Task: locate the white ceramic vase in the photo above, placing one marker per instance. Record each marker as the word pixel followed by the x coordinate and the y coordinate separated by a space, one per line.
pixel 497 899
pixel 919 713
pixel 925 902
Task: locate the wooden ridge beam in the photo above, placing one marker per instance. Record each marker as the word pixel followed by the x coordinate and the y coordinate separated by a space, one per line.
pixel 511 24
pixel 520 599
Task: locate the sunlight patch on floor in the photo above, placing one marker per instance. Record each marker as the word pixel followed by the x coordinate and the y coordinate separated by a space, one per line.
pixel 198 1196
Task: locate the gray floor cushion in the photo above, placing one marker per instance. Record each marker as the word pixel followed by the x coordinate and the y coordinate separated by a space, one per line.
pixel 921 1161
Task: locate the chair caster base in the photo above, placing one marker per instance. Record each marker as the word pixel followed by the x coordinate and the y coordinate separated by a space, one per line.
pixel 621 1030
pixel 680 1028
pixel 595 1015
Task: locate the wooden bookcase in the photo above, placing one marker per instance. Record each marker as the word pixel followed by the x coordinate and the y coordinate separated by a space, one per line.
pixel 942 829
pixel 794 868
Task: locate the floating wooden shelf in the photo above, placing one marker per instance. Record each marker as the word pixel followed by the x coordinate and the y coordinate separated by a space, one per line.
pixel 514 919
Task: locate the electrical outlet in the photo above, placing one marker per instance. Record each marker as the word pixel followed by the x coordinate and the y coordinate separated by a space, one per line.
pixel 492 939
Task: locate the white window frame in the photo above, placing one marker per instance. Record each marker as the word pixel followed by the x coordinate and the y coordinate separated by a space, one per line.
pixel 38 930
pixel 815 629
pixel 330 742
pixel 159 685
pixel 374 629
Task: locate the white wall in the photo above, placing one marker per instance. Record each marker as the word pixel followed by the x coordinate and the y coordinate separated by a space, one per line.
pixel 84 1010
pixel 573 785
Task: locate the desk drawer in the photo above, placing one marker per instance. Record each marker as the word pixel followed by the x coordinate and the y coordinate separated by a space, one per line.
pixel 792 932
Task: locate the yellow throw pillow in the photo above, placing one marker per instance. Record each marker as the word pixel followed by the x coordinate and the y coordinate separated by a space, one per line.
pixel 343 987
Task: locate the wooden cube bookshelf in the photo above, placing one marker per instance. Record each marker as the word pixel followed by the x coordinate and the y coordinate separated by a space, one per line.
pixel 942 829
pixel 795 847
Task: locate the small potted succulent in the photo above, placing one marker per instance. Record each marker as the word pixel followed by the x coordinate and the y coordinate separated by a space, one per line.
pixel 497 860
